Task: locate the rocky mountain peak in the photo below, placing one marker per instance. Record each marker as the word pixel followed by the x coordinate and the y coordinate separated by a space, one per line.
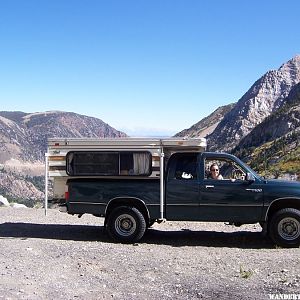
pixel 287 119
pixel 264 96
pixel 292 67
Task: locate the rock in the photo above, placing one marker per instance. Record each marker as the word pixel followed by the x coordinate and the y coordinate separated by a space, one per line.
pixel 3 201
pixel 18 205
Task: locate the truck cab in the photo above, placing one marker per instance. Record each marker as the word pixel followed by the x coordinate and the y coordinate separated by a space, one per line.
pixel 237 198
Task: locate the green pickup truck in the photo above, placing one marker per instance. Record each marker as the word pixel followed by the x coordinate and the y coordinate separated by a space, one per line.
pixel 122 186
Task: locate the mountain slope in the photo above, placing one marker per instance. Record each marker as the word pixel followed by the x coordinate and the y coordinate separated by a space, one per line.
pixel 274 145
pixel 23 143
pixel 283 121
pixel 207 125
pixel 265 96
pixel 24 136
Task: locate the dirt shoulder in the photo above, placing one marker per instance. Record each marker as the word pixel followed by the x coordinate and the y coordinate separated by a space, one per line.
pixel 64 257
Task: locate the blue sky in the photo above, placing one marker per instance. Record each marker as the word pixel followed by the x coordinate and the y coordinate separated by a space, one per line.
pixel 145 67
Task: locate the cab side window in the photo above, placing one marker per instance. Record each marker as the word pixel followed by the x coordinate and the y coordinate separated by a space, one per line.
pixel 227 169
pixel 186 167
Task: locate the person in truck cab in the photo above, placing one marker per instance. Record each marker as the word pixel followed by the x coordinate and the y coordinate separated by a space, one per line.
pixel 215 172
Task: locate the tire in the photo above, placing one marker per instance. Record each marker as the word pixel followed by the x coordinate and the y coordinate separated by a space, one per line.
pixel 284 227
pixel 126 224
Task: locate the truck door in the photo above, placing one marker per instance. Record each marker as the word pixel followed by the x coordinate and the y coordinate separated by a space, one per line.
pixel 182 187
pixel 231 198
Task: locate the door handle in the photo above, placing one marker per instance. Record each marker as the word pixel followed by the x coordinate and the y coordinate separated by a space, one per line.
pixel 209 186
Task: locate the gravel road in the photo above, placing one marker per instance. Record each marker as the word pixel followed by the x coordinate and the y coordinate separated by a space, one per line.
pixel 59 256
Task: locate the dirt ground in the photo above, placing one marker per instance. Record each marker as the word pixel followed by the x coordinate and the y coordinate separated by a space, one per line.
pixel 59 256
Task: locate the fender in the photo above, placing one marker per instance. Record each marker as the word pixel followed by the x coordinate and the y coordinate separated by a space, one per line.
pixel 125 200
pixel 293 201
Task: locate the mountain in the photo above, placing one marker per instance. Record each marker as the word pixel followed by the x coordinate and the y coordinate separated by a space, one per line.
pixel 24 136
pixel 281 122
pixel 265 96
pixel 23 143
pixel 274 144
pixel 207 125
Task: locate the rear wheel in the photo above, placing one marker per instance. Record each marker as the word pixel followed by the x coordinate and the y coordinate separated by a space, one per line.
pixel 284 227
pixel 126 224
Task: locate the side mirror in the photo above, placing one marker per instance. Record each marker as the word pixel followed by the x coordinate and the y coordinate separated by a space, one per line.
pixel 250 177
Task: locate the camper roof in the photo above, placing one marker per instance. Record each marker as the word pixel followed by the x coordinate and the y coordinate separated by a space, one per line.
pixel 128 142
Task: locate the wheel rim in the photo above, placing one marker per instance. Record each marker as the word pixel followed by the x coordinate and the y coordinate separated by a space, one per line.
pixel 289 229
pixel 125 225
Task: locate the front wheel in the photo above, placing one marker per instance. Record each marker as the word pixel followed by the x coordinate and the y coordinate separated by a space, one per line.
pixel 126 224
pixel 284 227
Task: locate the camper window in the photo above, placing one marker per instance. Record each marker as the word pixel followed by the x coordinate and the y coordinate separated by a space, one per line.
pixel 83 163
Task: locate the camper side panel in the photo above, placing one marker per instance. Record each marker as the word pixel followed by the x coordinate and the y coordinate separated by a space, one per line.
pixel 93 195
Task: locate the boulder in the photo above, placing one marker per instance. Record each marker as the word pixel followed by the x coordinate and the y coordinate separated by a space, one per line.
pixel 3 201
pixel 18 205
